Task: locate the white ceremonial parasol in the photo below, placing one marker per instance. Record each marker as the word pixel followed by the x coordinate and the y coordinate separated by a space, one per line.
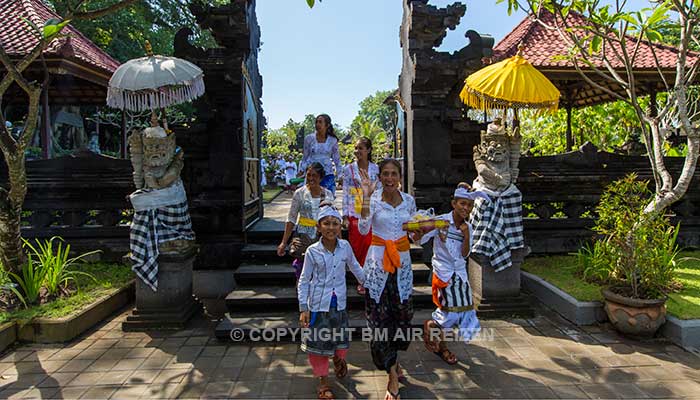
pixel 154 82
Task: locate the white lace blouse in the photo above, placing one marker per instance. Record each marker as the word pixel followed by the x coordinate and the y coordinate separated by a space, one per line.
pixel 385 222
pixel 306 206
pixel 323 153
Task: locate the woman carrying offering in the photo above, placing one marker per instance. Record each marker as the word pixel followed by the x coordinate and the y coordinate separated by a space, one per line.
pixel 388 273
pixel 352 198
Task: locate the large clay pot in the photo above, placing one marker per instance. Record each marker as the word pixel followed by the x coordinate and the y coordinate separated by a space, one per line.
pixel 634 317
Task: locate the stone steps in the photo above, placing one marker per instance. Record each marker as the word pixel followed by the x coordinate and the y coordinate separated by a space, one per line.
pixel 282 274
pixel 247 299
pixel 267 252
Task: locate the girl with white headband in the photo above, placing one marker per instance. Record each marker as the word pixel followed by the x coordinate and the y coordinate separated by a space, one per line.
pixel 452 293
pixel 322 299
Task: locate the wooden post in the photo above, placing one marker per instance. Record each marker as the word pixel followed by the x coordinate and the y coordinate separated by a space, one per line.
pixel 123 149
pixel 45 129
pixel 569 134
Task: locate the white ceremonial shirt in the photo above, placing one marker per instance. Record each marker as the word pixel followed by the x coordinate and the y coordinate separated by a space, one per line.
pixel 447 256
pixel 325 153
pixel 324 274
pixel 385 222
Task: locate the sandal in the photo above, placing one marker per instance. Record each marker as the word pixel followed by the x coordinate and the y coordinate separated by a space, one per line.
pixel 399 373
pixel 391 396
pixel 447 356
pixel 430 345
pixel 341 368
pixel 324 393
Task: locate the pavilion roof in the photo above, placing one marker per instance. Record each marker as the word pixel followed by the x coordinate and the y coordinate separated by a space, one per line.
pixel 17 39
pixel 541 45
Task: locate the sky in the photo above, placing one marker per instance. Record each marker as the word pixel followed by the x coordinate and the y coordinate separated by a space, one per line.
pixel 327 59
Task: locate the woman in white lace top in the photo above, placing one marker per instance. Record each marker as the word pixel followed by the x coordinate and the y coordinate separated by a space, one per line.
pixel 388 273
pixel 322 147
pixel 304 210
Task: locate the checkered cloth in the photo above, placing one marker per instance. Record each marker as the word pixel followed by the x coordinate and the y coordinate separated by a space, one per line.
pixel 152 227
pixel 498 226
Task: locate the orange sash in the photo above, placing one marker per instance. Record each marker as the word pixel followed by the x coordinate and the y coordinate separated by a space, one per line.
pixel 437 285
pixel 392 259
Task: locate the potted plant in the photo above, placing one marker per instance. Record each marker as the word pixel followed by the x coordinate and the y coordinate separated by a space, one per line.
pixel 634 256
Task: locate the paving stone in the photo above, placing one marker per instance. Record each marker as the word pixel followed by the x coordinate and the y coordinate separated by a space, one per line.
pixel 70 392
pixel 170 376
pixel 129 392
pixel 75 366
pixel 158 391
pixel 57 379
pixel 99 392
pixel 139 352
pixel 568 392
pixel 627 390
pixel 143 376
pixel 217 390
pixel 115 377
pixel 86 379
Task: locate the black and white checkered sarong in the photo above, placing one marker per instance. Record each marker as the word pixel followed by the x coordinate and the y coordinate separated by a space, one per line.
pixel 156 226
pixel 498 227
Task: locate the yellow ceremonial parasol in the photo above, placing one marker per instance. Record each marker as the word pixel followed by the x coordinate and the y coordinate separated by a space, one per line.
pixel 511 83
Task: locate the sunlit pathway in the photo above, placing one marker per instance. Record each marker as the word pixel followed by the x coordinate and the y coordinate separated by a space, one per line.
pixel 543 357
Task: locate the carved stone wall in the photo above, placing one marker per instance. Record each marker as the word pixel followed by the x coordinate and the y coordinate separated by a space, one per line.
pixel 439 137
pixel 216 161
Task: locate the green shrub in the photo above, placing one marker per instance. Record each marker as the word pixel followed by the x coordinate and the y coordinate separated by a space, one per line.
pixel 56 263
pixel 637 250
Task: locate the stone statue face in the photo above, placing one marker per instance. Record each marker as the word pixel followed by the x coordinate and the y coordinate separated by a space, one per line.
pixel 496 150
pixel 158 152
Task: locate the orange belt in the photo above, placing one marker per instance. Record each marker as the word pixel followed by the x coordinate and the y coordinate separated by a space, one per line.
pixel 437 285
pixel 392 259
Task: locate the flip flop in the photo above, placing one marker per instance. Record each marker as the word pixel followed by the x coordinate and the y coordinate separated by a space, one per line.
pixel 430 345
pixel 447 356
pixel 324 393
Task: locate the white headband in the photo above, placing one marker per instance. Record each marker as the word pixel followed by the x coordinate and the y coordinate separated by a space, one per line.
pixel 462 193
pixel 328 211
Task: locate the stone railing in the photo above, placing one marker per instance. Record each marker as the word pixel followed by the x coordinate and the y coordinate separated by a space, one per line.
pixel 560 194
pixel 81 198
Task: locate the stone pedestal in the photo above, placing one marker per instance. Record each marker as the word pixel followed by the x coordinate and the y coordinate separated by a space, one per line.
pixel 495 287
pixel 173 304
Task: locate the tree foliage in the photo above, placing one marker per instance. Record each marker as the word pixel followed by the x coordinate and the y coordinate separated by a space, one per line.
pixel 613 35
pixel 608 126
pixel 123 33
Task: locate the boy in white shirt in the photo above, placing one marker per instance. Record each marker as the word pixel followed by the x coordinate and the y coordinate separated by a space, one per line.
pixel 451 291
pixel 322 297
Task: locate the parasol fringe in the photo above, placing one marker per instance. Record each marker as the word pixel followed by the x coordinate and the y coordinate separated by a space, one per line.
pixel 150 99
pixel 481 101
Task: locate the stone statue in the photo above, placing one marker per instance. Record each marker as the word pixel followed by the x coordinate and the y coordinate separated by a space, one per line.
pixel 497 156
pixel 161 223
pixel 498 222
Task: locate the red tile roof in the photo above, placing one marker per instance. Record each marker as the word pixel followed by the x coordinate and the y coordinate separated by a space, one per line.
pixel 542 44
pixel 17 38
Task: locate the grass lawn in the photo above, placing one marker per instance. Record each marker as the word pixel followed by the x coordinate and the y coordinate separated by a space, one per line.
pixel 561 272
pixel 109 278
pixel 270 193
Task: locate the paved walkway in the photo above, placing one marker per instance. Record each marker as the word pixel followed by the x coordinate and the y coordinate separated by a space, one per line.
pixel 543 357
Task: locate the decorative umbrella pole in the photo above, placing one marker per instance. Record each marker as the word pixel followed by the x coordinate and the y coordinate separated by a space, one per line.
pixel 498 243
pixel 161 239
